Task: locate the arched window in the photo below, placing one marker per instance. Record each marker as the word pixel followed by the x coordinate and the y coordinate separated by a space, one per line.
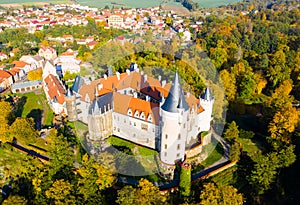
pixel 179 137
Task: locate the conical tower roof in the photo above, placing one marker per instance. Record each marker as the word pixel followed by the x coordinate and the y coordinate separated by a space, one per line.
pixel 207 95
pixel 175 99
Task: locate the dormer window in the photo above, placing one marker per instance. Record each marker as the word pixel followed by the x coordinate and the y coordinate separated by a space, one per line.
pixel 129 112
pixel 149 118
pixel 142 116
pixel 137 114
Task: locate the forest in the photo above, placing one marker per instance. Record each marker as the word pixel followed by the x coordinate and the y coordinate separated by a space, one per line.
pixel 257 58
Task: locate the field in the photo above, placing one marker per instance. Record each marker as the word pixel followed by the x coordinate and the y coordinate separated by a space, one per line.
pixel 123 3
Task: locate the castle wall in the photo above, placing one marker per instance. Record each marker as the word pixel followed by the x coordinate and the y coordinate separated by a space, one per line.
pixel 135 130
pixel 82 110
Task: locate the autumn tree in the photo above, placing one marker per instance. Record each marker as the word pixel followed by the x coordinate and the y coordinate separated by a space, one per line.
pixel 213 195
pixel 229 84
pixel 145 194
pixel 283 124
pixel 35 74
pixel 5 118
pixel 23 130
pixel 93 178
pixel 61 192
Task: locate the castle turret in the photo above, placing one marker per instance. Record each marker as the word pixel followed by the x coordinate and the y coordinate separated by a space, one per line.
pixel 174 113
pixel 71 106
pixel 206 101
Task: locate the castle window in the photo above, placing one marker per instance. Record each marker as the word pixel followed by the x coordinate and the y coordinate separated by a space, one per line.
pixel 142 116
pixel 129 112
pixel 114 128
pixel 179 137
pixel 166 136
pixel 124 120
pixel 136 114
pixel 184 125
pixel 134 124
pixel 144 127
pixel 178 147
pixel 118 129
pixel 165 154
pixel 178 155
pixel 166 146
pixel 149 118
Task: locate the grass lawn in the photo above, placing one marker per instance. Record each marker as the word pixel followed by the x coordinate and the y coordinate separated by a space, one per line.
pixel 215 155
pixel 252 147
pixel 35 106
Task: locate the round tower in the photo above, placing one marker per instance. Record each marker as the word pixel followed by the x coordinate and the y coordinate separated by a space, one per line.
pixel 174 113
pixel 71 106
pixel 206 101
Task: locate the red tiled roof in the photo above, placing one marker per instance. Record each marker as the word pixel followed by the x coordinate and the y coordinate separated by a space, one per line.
pixel 19 64
pixel 55 88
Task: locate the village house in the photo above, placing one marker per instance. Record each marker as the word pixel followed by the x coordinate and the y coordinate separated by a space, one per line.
pixel 6 80
pixel 3 56
pixel 48 53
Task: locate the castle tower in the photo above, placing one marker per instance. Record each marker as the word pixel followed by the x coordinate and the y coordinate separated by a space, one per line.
pixel 93 121
pixel 174 113
pixel 206 101
pixel 71 106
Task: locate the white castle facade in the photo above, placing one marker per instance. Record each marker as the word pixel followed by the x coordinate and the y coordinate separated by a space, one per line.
pixel 143 110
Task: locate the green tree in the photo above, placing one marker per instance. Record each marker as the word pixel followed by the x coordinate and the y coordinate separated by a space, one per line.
pixel 61 192
pixel 234 154
pixel 126 196
pixel 185 179
pixel 15 199
pixel 264 173
pixel 231 134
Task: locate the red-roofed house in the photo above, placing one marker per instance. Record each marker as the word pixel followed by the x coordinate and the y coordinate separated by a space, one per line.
pixel 48 53
pixel 55 93
pixel 3 56
pixel 6 80
pixel 23 66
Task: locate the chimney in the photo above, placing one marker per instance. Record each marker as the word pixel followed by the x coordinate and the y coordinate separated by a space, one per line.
pixel 100 86
pixel 135 66
pixel 118 75
pixel 142 72
pixel 163 83
pixel 145 78
pixel 128 72
pixel 159 77
pixel 188 94
pixel 105 76
pixel 135 94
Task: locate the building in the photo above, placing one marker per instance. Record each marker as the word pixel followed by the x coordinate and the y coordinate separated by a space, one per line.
pixel 48 53
pixel 6 80
pixel 115 21
pixel 144 110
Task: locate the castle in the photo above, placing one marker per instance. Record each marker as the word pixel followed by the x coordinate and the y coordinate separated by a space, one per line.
pixel 144 110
